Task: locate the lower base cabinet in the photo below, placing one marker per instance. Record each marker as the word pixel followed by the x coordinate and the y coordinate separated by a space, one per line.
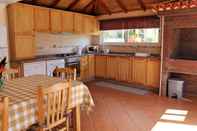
pixel 138 70
pixel 100 66
pixel 87 68
pixel 153 72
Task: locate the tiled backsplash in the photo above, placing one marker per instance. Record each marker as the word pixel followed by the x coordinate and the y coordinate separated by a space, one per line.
pixel 60 43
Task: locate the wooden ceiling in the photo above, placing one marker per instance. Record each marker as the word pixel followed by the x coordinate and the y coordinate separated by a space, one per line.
pixel 96 7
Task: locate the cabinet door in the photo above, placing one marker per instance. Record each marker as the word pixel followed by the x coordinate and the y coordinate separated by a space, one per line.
pixel 131 69
pixel 84 68
pixel 56 21
pixel 78 23
pixel 100 66
pixel 68 22
pixel 24 47
pixel 91 67
pixel 112 67
pixel 153 73
pixel 29 68
pixel 42 19
pixel 123 68
pixel 21 19
pixel 140 70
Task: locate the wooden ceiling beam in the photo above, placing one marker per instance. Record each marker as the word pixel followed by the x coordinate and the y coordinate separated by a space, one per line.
pixel 72 4
pixel 89 4
pixel 102 4
pixel 122 6
pixel 54 3
pixel 142 5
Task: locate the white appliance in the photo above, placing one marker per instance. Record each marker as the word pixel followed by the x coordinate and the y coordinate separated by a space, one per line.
pixel 52 64
pixel 35 68
pixel 175 88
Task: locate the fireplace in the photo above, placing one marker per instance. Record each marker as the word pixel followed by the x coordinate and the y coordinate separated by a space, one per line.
pixel 185 41
pixel 179 43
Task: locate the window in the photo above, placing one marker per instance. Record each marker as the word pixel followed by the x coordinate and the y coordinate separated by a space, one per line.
pixel 129 36
pixel 113 36
pixel 143 35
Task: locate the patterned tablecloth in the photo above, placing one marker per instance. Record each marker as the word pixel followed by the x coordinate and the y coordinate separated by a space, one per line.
pixel 22 95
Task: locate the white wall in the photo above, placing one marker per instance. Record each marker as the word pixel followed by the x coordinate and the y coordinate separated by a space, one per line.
pixel 48 43
pixel 3 31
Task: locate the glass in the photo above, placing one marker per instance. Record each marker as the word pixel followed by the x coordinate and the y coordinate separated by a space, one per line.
pixel 113 36
pixel 150 35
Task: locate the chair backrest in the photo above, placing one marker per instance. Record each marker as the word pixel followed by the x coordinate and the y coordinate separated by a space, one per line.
pixel 4 103
pixel 66 73
pixel 55 101
pixel 10 73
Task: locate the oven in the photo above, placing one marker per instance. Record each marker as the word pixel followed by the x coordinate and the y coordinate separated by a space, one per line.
pixel 73 61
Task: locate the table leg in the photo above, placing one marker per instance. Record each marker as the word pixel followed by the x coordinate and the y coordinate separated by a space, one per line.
pixel 77 119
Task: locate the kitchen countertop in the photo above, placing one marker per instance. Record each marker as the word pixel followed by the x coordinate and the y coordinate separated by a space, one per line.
pixel 54 57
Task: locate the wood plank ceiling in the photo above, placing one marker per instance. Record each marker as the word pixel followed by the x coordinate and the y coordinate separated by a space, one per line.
pixel 96 7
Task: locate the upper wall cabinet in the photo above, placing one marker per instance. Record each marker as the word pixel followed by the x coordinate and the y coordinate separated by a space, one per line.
pixel 42 23
pixel 21 19
pixel 56 21
pixel 90 24
pixel 78 23
pixel 67 21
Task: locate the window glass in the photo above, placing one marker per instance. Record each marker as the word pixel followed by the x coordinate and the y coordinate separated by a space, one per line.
pixel 113 36
pixel 143 35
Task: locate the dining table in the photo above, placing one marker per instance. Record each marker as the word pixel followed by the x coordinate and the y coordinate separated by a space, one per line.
pixel 22 93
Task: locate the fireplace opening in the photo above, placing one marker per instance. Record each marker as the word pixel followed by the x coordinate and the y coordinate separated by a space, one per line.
pixel 185 44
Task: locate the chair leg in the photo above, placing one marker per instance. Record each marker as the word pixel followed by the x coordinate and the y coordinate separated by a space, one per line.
pixel 67 123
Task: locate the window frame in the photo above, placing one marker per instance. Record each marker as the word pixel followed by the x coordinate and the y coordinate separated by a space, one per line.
pixel 126 43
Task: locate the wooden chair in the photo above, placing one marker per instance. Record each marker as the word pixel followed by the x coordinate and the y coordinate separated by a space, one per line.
pixel 57 106
pixel 10 73
pixel 4 103
pixel 66 73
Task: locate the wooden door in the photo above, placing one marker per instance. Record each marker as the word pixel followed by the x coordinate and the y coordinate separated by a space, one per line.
pixel 140 70
pixel 21 19
pixel 42 19
pixel 78 23
pixel 91 67
pixel 100 66
pixel 112 67
pixel 24 47
pixel 153 73
pixel 56 21
pixel 68 22
pixel 123 68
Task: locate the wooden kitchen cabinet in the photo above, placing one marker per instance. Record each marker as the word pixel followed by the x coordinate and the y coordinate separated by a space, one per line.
pixel 22 47
pixel 84 68
pixel 140 70
pixel 42 19
pixel 123 68
pixel 112 67
pixel 78 23
pixel 87 67
pixel 153 72
pixel 91 67
pixel 100 66
pixel 21 19
pixel 56 21
pixel 68 22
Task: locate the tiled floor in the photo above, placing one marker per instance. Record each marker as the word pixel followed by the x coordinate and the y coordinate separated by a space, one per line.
pixel 122 111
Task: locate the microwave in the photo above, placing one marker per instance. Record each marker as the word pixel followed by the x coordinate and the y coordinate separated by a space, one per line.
pixel 92 49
